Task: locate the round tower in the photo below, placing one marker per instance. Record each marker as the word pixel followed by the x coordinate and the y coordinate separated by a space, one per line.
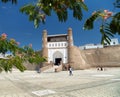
pixel 70 47
pixel 44 45
pixel 70 37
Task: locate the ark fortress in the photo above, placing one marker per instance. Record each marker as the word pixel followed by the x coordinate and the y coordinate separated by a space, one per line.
pixel 59 49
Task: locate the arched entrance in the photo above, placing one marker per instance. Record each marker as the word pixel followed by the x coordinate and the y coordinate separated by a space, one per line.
pixel 57 57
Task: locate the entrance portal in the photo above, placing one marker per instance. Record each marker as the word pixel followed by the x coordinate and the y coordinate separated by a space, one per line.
pixel 57 58
pixel 57 61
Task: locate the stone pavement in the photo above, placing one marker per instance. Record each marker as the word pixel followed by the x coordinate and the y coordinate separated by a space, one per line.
pixel 83 83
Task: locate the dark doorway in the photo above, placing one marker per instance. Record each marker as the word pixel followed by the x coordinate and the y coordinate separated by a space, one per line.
pixel 57 61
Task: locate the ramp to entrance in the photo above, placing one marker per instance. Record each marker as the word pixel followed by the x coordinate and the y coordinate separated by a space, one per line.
pixel 50 70
pixel 54 69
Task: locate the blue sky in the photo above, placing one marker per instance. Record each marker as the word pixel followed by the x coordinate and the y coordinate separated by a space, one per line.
pixel 16 25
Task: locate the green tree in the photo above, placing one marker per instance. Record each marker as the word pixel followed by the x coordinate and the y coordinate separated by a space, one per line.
pixel 17 55
pixel 110 24
pixel 38 12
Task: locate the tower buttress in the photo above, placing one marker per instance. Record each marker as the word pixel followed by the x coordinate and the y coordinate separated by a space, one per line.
pixel 70 47
pixel 44 45
pixel 70 37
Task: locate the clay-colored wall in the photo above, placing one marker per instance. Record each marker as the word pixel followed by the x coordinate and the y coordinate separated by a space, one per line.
pixel 108 56
pixel 78 59
pixel 31 66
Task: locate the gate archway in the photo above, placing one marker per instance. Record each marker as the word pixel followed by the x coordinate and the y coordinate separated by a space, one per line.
pixel 57 57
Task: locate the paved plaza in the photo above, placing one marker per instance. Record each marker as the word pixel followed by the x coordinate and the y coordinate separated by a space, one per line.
pixel 83 83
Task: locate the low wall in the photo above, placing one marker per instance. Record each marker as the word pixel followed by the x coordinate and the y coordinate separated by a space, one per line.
pixel 31 66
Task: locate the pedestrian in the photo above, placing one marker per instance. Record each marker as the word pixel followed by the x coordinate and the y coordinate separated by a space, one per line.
pixel 70 71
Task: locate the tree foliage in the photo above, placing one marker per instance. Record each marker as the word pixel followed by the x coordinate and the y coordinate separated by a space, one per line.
pixel 17 55
pixel 13 1
pixel 105 30
pixel 38 12
pixel 117 3
pixel 110 24
pixel 115 24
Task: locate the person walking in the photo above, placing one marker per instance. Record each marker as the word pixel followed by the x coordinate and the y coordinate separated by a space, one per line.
pixel 70 71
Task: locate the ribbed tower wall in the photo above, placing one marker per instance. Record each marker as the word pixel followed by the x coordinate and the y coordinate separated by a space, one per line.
pixel 44 45
pixel 76 59
pixel 70 48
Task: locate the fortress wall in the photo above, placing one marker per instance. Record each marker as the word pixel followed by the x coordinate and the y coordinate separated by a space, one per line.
pixel 78 59
pixel 108 56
